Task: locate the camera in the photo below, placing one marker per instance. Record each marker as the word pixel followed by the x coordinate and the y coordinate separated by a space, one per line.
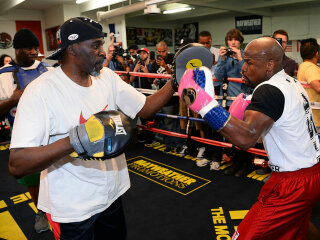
pixel 229 52
pixel 119 51
pixel 138 59
pixel 126 56
pixel 279 40
pixel 152 57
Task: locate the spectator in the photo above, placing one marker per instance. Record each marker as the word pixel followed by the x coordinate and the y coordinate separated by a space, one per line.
pixel 182 148
pixel 210 154
pixel 4 59
pixel 229 65
pixel 116 62
pixel 163 65
pixel 289 65
pixel 309 72
pixel 206 40
pixel 142 65
pixel 133 56
pixel 13 79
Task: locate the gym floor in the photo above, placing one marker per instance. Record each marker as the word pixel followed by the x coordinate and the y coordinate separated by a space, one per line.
pixel 170 198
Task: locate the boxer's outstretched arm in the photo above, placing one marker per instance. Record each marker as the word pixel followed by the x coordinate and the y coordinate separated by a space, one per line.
pixel 26 161
pixel 246 133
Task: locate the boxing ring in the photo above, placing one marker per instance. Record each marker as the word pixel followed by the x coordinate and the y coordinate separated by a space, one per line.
pixel 314 105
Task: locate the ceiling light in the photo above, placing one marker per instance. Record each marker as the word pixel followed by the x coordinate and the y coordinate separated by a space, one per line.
pixel 106 3
pixel 177 10
pixel 80 1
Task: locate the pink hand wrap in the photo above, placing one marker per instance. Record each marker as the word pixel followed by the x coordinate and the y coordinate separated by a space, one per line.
pixel 238 106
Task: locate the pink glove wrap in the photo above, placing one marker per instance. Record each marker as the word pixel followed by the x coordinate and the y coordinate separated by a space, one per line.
pixel 238 106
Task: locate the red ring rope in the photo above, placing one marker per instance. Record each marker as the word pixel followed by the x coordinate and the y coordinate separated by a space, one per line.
pixel 155 75
pixel 203 140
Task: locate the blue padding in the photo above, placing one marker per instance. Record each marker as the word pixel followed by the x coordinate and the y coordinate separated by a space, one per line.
pixel 199 77
pixel 216 117
pixel 7 69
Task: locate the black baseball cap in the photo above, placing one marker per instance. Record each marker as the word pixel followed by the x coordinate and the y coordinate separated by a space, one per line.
pixel 76 30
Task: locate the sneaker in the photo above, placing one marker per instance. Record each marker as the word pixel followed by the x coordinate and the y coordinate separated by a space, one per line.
pixel 201 151
pixel 150 143
pixel 168 150
pixel 263 171
pixel 41 222
pixel 203 162
pixel 231 170
pixel 141 138
pixel 182 150
pixel 215 166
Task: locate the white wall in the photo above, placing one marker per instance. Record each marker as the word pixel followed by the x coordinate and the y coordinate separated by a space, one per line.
pixel 299 23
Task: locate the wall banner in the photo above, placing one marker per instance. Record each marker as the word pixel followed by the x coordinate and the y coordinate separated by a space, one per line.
pixel 249 24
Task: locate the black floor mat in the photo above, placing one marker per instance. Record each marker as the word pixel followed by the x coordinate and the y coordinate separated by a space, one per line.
pixel 202 205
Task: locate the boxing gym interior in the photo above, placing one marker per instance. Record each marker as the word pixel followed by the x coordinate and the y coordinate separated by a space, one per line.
pixel 187 181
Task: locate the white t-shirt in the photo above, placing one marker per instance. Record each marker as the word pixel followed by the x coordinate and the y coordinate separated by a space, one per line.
pixel 73 190
pixel 7 83
pixel 292 142
pixel 215 51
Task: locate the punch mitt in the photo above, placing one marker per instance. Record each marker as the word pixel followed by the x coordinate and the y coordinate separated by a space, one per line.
pixel 104 135
pixel 190 56
pixel 197 91
pixel 239 105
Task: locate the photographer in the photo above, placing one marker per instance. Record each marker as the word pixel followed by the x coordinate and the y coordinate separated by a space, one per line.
pixel 289 65
pixel 132 49
pixel 163 65
pixel 142 65
pixel 115 60
pixel 229 65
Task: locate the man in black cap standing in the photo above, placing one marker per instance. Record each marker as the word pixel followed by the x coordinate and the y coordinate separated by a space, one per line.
pixel 13 80
pixel 82 199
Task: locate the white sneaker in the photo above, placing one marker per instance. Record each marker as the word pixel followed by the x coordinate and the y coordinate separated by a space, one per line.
pixel 201 151
pixel 203 162
pixel 182 150
pixel 215 166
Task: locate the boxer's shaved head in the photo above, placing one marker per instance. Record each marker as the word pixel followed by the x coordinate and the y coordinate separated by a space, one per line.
pixel 265 48
pixel 263 59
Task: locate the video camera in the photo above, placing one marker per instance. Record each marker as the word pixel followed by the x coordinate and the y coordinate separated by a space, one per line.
pixel 279 40
pixel 119 51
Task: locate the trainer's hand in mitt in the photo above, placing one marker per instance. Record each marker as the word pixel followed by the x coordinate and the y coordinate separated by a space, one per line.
pixel 105 135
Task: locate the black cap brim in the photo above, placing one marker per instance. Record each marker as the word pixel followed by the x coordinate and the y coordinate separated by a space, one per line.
pixel 57 54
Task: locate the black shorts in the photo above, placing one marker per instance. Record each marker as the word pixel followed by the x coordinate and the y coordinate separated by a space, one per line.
pixel 108 224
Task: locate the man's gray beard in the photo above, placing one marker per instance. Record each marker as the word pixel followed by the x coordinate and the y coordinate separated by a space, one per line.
pixel 95 72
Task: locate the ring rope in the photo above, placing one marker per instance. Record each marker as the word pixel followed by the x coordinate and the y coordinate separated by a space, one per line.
pixel 155 75
pixel 203 140
pixel 314 105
